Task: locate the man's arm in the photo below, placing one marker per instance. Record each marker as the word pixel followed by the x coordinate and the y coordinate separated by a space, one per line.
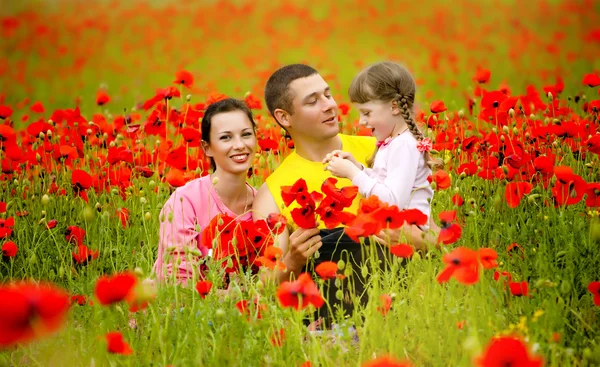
pixel 296 248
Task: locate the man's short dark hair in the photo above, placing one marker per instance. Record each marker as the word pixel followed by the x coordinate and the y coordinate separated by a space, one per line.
pixel 277 90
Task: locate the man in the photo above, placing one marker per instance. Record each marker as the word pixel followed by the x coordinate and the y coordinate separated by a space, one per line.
pixel 301 102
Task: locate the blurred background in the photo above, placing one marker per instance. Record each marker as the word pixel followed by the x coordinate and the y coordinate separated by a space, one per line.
pixel 62 52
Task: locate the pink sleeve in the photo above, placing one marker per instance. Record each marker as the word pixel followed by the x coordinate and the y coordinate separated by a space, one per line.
pixel 178 236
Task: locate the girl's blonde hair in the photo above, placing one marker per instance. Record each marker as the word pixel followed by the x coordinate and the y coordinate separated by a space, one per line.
pixel 388 81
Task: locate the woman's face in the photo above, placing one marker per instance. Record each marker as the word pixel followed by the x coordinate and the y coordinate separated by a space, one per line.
pixel 232 142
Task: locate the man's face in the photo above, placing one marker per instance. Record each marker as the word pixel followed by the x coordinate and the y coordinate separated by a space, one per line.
pixel 315 110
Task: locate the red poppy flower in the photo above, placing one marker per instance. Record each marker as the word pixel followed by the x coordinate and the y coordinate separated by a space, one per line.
pixel 29 311
pixel 344 196
pixel 507 351
pixel 593 194
pixel 278 338
pixel 51 223
pixel 83 255
pixel 123 215
pixel 271 258
pixel 276 222
pixel 593 144
pixel 290 193
pixel 442 180
pixel 385 304
pixel 591 80
pixel 487 257
pixel 243 307
pixel 116 344
pixel 80 180
pixel 203 287
pixel 437 107
pixel 519 288
pixel 80 299
pixel 6 227
pixel 482 76
pixel 2 207
pixel 184 78
pixel 458 200
pixel 569 187
pixel 252 102
pixel 462 265
pixel 594 288
pixel 414 217
pixel 392 218
pixel 9 249
pixel 5 112
pixel 515 192
pixel 75 235
pixel 515 248
pixel 450 232
pixel 116 288
pixel 386 361
pixel 300 293
pixel 327 270
pixel 402 250
pixel 102 98
pixel 268 144
pixel 304 217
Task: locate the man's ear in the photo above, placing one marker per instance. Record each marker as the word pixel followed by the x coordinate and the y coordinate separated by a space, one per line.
pixel 206 148
pixel 395 108
pixel 282 116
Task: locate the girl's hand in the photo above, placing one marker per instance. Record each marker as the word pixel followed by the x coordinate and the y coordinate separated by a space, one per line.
pixel 344 155
pixel 343 168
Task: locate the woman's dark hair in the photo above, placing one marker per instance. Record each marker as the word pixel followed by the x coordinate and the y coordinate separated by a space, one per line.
pixel 222 106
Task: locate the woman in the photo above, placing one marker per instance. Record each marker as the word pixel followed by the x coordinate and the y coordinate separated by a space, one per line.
pixel 229 140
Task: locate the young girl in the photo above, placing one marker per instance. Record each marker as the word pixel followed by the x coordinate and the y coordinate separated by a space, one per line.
pixel 384 94
pixel 229 139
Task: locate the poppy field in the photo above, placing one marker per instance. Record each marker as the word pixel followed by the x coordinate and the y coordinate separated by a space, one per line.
pixel 100 105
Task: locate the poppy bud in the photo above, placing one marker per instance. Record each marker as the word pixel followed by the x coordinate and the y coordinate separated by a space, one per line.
pixel 112 144
pixel 550 96
pixel 152 184
pixel 170 217
pixel 532 198
pixel 565 287
pixel 61 272
pixel 339 295
pixel 337 282
pixel 547 121
pixel 433 186
pixel 143 200
pixel 511 112
pixel 220 313
pixel 341 265
pixel 461 113
pixel 38 157
pixel 527 136
pixel 50 122
pixel 505 129
pixel 595 231
pixel 33 259
pixel 188 97
pixel 416 256
pixel 45 199
pixel 515 130
pixel 505 170
pixel 495 130
pixel 43 212
pixel 215 180
pixel 114 192
pixel 88 131
pixel 147 216
pixel 556 121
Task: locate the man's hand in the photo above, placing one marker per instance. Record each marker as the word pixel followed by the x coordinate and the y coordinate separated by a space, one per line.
pixel 344 155
pixel 303 243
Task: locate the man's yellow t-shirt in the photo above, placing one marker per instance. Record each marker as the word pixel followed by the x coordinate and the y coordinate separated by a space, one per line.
pixel 295 167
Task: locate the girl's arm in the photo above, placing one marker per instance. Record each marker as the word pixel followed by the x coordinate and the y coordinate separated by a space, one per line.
pixel 402 162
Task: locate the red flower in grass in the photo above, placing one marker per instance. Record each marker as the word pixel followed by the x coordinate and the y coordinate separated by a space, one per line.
pixel 243 307
pixel 327 270
pixel 2 207
pixel 300 293
pixel 271 258
pixel 116 288
pixel 462 265
pixel 458 200
pixel 569 187
pixel 437 107
pixel 30 311
pixel 487 257
pixel 52 223
pixel 278 338
pixel 83 255
pixel 304 216
pixel 6 227
pixel 386 304
pixel 402 250
pixel 184 78
pixel 276 222
pixel 80 299
pixel 343 196
pixel 518 288
pixel 482 76
pixel 203 287
pixel 442 180
pixel 123 215
pixel 507 351
pixel 268 144
pixel 75 235
pixel 515 248
pixel 116 344
pixel 252 102
pixel 451 232
pixel 102 97
pixel 593 195
pixel 386 361
pixel 594 288
pixel 591 80
pixel 515 192
pixel 9 249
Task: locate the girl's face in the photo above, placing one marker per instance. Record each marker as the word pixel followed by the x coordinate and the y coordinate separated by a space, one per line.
pixel 379 117
pixel 232 142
